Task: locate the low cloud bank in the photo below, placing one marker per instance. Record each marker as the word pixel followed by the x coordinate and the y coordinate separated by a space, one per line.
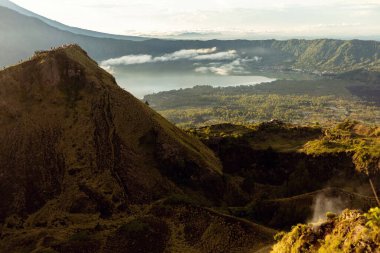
pixel 190 54
pixel 184 54
pixel 236 67
pixel 218 66
pixel 127 60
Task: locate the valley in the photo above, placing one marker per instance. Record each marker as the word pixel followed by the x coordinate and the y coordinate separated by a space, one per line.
pixel 132 144
pixel 321 101
pixel 86 167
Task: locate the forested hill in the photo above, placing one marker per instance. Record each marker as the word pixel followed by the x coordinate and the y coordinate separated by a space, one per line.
pixel 332 55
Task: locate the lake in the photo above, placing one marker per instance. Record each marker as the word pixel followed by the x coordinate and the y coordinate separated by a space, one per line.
pixel 140 84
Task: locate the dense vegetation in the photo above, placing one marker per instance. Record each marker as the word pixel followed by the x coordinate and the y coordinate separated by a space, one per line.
pixel 352 231
pixel 320 101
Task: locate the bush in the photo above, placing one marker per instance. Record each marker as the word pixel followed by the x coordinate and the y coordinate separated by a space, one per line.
pixel 373 217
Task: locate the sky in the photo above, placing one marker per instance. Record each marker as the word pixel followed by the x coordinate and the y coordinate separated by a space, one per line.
pixel 235 18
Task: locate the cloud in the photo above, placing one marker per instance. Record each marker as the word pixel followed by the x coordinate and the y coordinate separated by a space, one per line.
pixel 201 54
pixel 257 58
pixel 234 67
pixel 252 18
pixel 185 54
pixel 128 60
pixel 206 60
pixel 228 55
pixel 109 69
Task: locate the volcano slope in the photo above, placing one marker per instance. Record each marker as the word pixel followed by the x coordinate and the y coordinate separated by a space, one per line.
pixel 86 167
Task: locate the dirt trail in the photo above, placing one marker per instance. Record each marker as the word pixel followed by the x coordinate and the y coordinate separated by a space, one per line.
pixel 331 190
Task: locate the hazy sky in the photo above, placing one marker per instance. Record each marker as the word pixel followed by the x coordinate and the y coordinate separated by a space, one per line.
pixel 262 17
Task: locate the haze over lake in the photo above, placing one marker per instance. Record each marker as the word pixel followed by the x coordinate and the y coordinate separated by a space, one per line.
pixel 140 84
pixel 143 74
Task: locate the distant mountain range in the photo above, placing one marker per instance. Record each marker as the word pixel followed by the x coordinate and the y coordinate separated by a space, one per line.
pixel 15 7
pixel 24 32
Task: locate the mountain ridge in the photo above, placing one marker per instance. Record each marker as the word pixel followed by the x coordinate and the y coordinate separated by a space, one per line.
pixel 10 5
pixel 320 56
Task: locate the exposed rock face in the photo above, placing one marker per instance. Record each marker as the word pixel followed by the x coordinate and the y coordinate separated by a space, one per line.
pixel 71 140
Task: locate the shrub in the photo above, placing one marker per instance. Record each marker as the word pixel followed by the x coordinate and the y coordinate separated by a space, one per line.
pixel 373 217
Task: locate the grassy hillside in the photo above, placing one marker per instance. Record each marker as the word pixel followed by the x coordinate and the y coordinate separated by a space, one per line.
pixel 352 231
pixel 166 226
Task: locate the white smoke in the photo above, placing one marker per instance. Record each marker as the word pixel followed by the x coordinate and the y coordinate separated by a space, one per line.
pixel 323 204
